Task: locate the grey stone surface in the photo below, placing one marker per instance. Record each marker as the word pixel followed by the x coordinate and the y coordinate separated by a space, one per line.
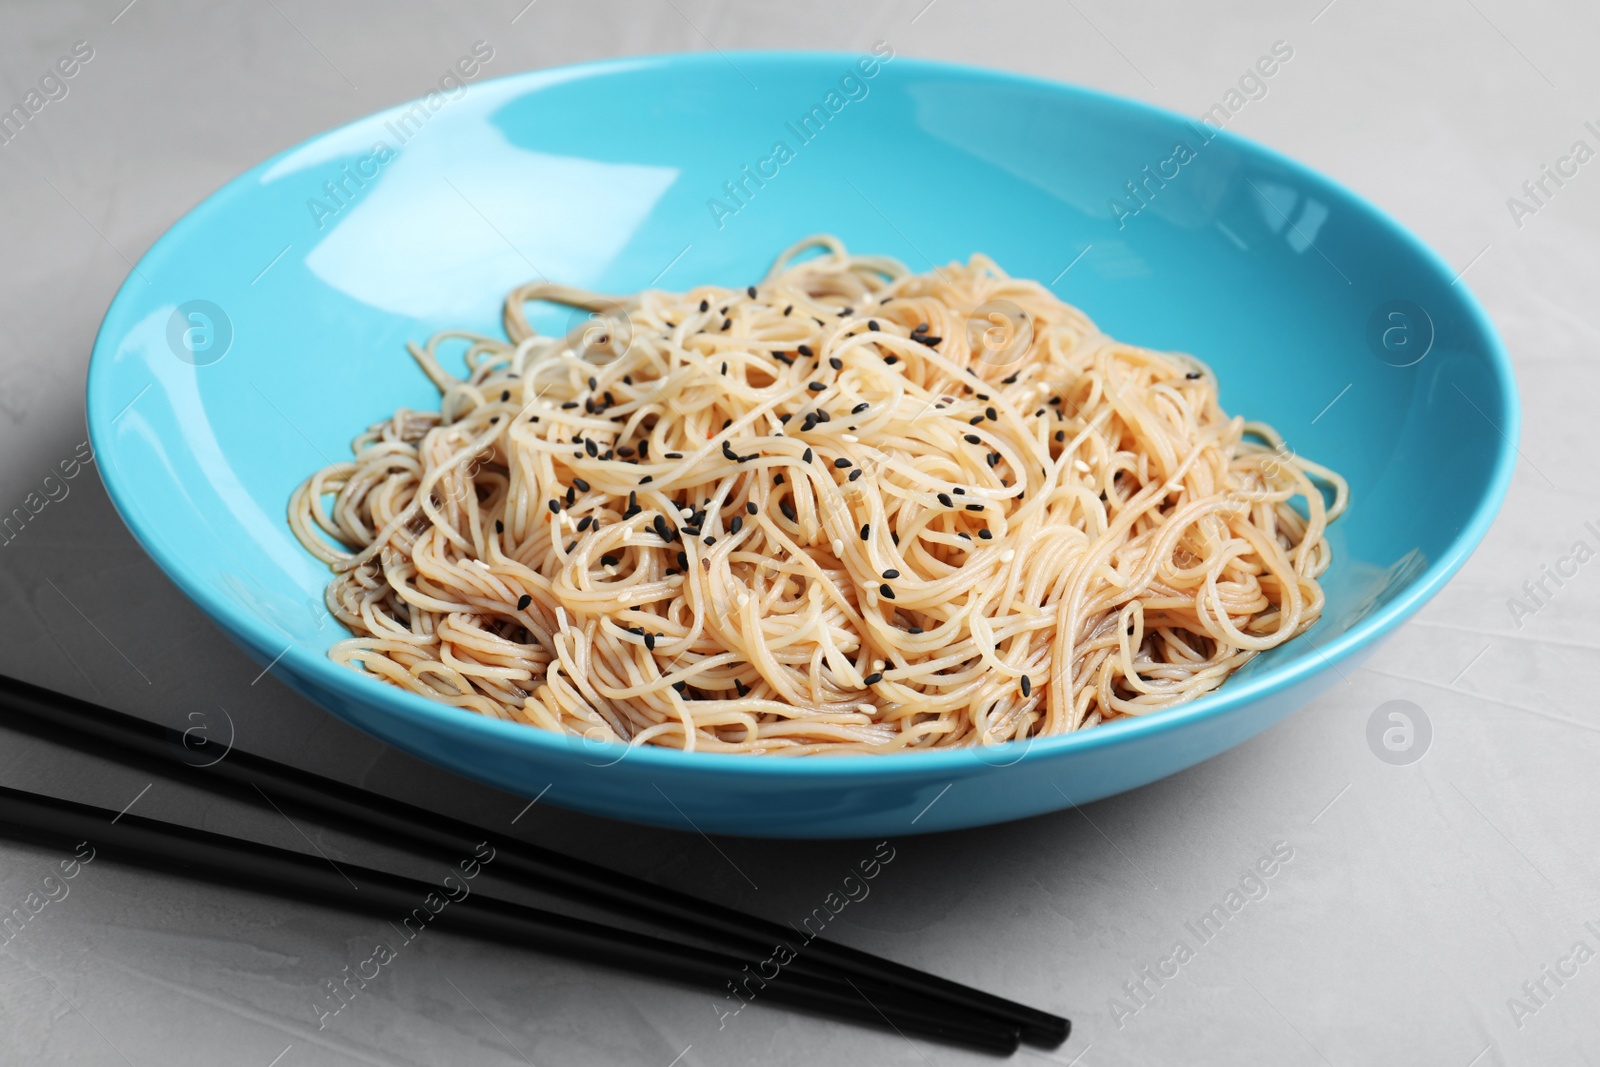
pixel 1419 899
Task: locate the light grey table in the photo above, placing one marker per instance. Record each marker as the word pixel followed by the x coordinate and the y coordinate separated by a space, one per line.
pixel 1427 912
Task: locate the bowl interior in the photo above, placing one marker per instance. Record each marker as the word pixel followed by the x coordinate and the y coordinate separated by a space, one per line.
pixel 303 278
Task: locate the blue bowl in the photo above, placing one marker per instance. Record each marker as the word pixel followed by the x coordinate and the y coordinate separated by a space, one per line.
pixel 266 329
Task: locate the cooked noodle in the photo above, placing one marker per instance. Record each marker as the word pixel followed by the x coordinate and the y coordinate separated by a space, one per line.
pixel 841 511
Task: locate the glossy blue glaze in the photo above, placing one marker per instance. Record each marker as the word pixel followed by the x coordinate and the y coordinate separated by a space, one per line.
pixel 600 176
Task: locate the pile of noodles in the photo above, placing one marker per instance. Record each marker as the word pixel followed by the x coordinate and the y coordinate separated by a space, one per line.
pixel 848 509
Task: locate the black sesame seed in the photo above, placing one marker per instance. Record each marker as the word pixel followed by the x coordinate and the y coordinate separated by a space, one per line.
pixel 886 592
pixel 972 439
pixel 974 507
pixel 570 546
pixel 1027 686
pixel 788 511
pixel 750 507
pixel 777 479
pixel 1061 435
pixel 894 537
pixel 585 522
pixel 872 324
pixel 805 457
pixel 743 690
pixel 866 530
pixel 726 323
pixel 555 507
pixel 705 305
pixel 920 327
pixel 505 395
pixel 804 350
pixel 914 630
pixel 929 339
pixel 647 479
pixel 724 369
pixel 609 561
pixel 591 448
pixel 959 491
pixel 673 455
pixel 994 416
pixel 859 408
pixel 891 360
pixel 855 474
pixel 683 559
pixel 944 498
pixel 662 530
pixel 985 535
pixel 836 363
pixel 788 309
pixel 751 292
pixel 841 463
pixel 891 574
pixel 974 420
pixel 523 601
pixel 569 405
pixel 650 642
pixel 873 679
pixel 499 527
pixel 736 525
pixel 1192 375
pixel 816 387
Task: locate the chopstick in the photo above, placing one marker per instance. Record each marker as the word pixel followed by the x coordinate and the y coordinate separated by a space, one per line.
pixel 192 853
pixel 168 752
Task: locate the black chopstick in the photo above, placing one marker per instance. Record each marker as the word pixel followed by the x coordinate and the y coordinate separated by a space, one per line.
pixel 165 751
pixel 192 853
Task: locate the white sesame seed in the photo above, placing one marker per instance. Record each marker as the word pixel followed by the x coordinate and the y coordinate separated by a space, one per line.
pixel 1008 555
